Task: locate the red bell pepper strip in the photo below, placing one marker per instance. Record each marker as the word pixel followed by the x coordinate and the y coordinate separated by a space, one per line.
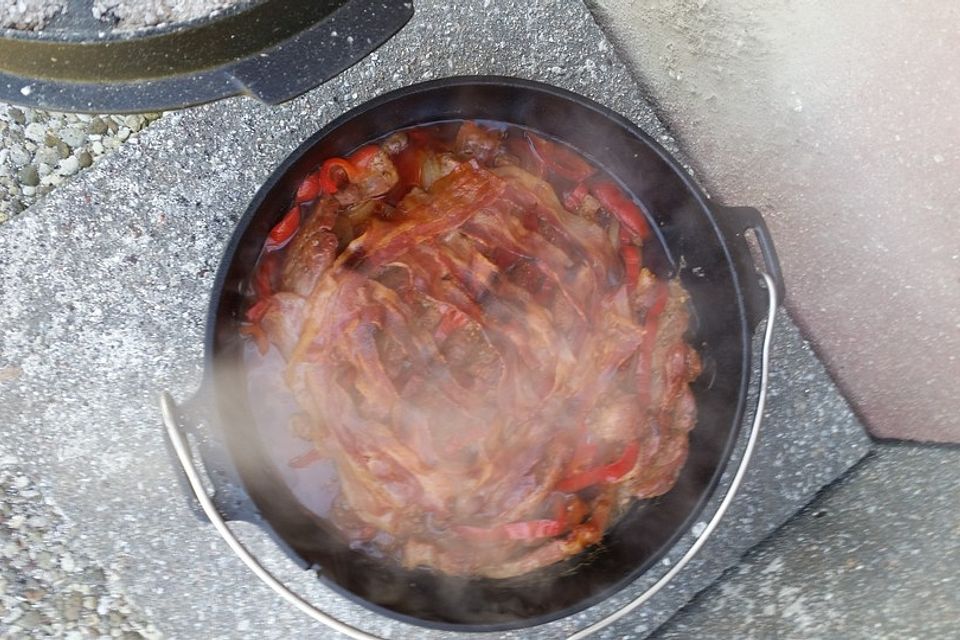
pixel 257 311
pixel 328 181
pixel 309 188
pixel 574 199
pixel 561 160
pixel 528 530
pixel 626 211
pixel 263 278
pixel 284 229
pixel 604 474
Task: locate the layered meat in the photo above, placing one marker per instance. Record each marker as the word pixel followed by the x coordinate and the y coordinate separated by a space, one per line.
pixel 474 340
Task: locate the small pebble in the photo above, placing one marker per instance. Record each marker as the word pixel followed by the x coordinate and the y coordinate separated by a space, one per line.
pixel 74 136
pixel 71 612
pixel 67 563
pixel 29 176
pixel 85 159
pixel 47 156
pixel 17 115
pixel 34 594
pixel 18 155
pixel 63 150
pixel 133 122
pixel 35 132
pixel 123 134
pixel 68 166
pixel 13 615
pixel 38 522
pixel 97 126
pixel 31 619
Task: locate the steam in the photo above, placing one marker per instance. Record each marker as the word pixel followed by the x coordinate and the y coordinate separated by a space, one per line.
pixel 479 452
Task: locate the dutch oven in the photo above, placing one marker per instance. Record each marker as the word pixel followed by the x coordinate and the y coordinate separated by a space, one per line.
pixel 705 246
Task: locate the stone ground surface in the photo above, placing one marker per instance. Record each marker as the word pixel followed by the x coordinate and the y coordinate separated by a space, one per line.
pixel 859 544
pixel 28 14
pixel 875 557
pixel 40 150
pixel 839 121
pixel 48 587
pixel 134 14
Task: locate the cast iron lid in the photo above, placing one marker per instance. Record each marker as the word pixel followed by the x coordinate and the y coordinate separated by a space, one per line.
pixel 273 50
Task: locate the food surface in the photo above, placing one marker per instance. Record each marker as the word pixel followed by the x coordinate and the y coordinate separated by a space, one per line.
pixel 474 341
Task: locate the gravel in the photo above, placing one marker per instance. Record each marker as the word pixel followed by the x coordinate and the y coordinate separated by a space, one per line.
pixel 47 588
pixel 136 14
pixel 28 15
pixel 40 150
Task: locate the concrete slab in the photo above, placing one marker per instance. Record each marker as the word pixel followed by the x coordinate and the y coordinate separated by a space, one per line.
pixel 104 285
pixel 839 121
pixel 873 558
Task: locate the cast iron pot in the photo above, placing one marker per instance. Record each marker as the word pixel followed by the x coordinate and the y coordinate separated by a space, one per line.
pixel 273 50
pixel 703 243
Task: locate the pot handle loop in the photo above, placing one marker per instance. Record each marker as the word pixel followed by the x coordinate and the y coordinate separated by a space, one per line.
pixel 174 420
pixel 181 448
pixel 734 222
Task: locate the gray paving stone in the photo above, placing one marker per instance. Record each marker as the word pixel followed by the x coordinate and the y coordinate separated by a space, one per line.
pixel 873 558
